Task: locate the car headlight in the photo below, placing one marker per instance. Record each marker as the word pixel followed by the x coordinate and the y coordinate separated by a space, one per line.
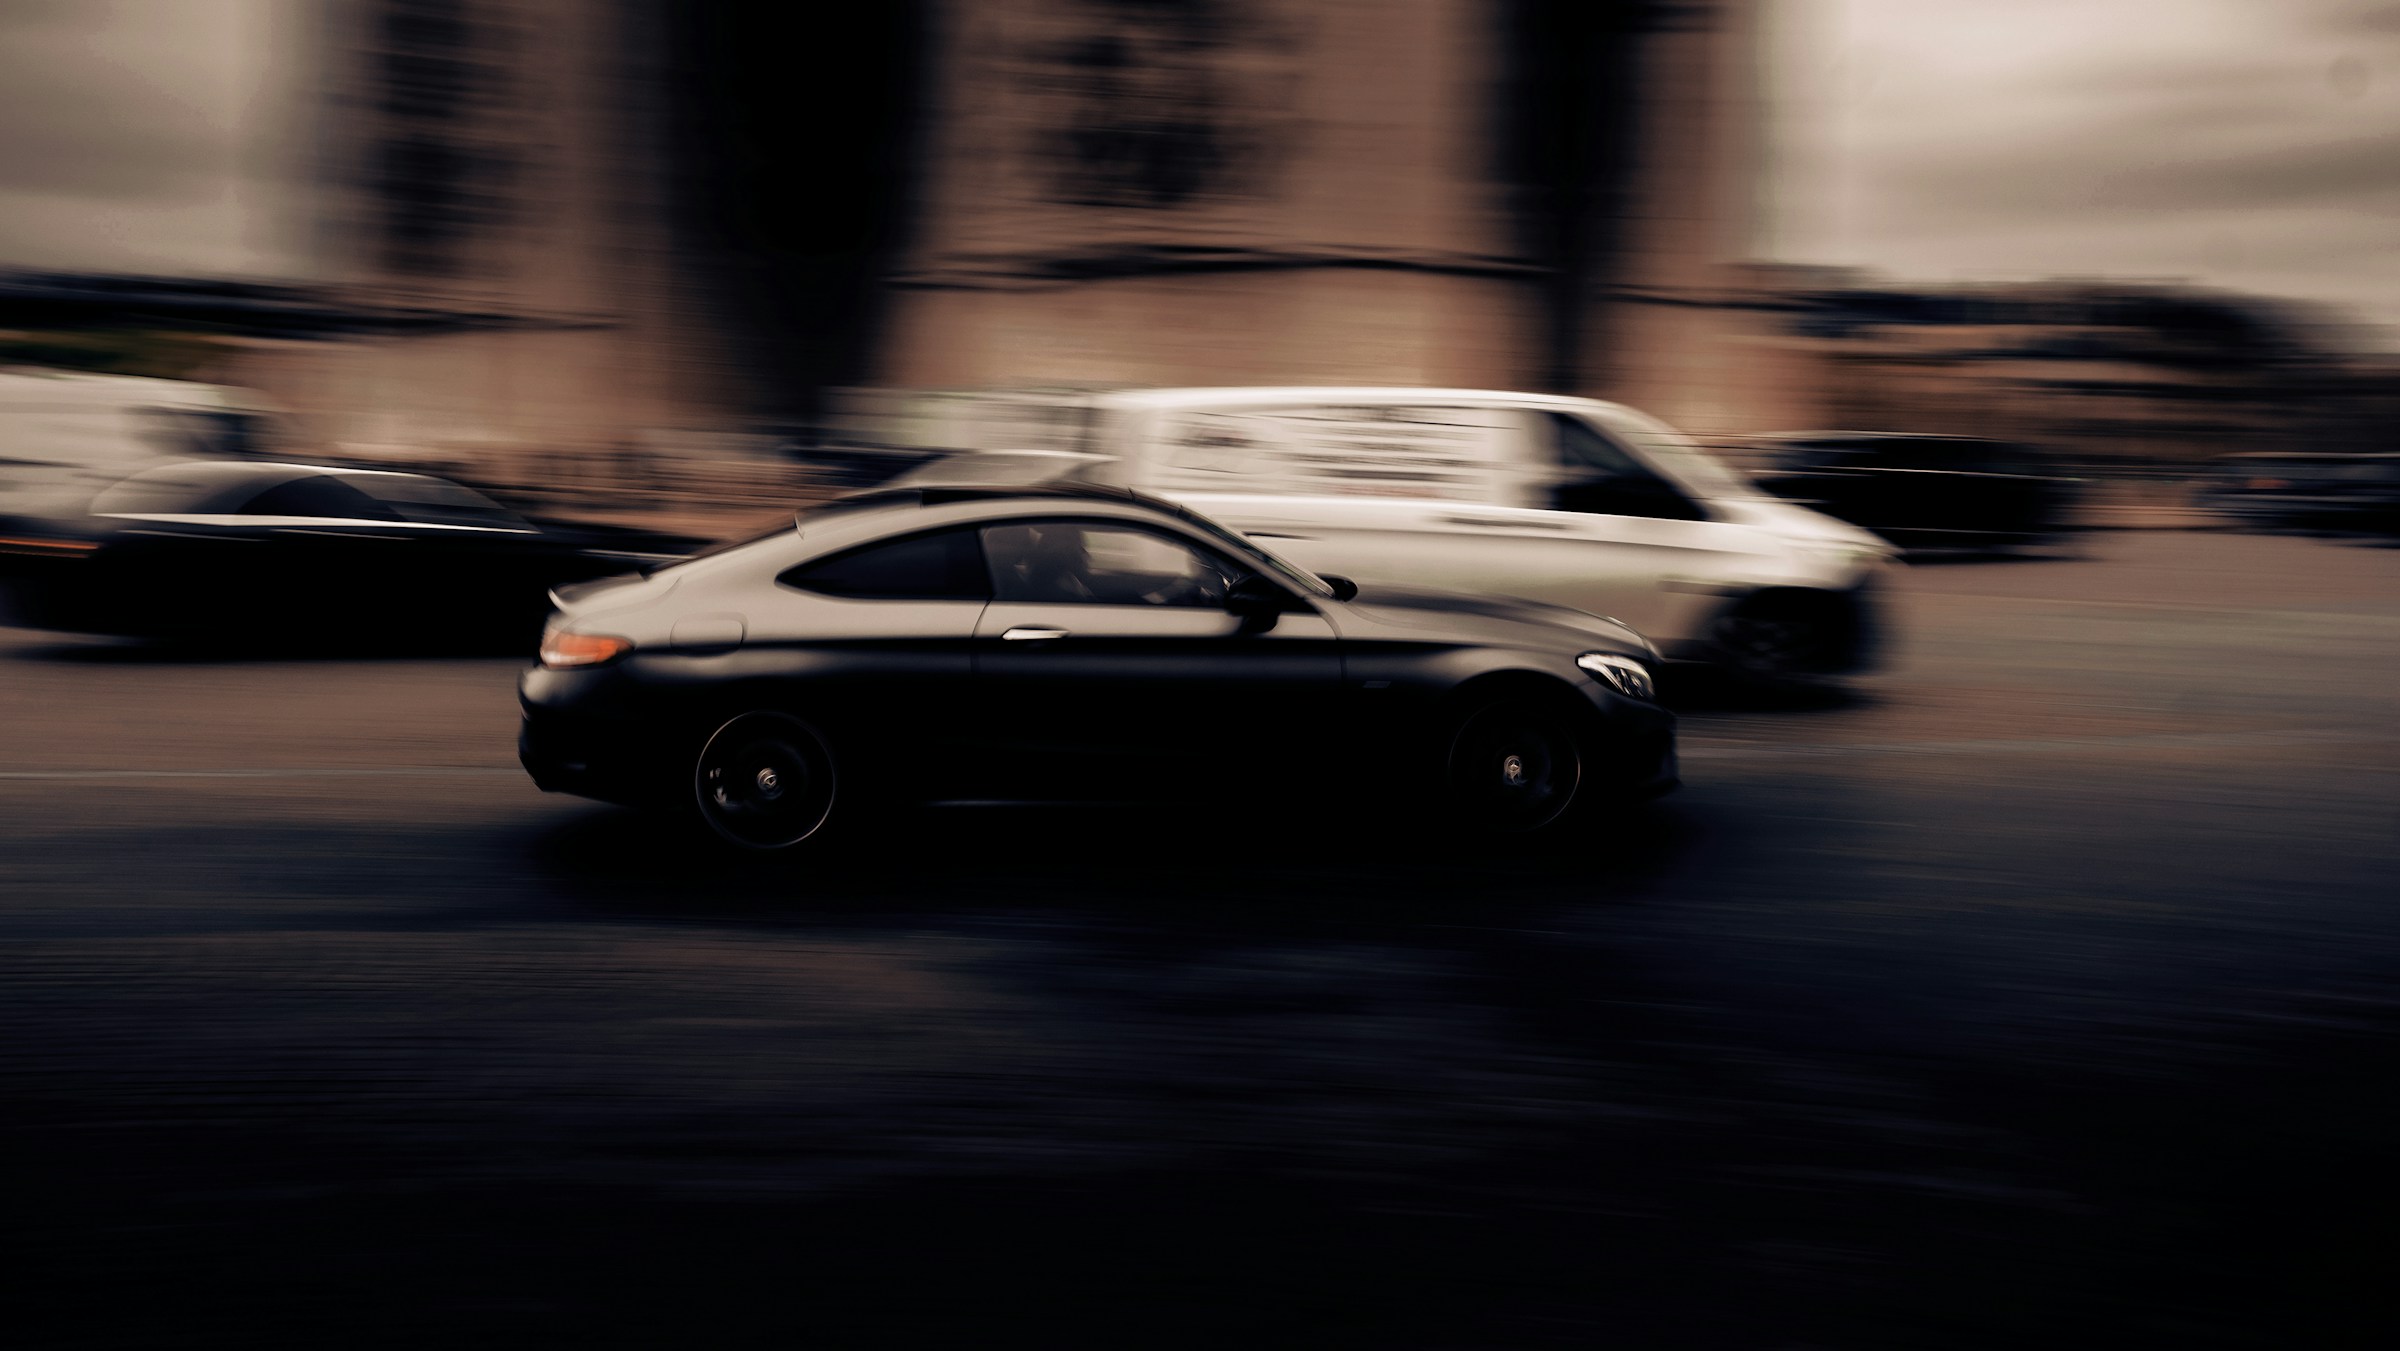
pixel 1623 674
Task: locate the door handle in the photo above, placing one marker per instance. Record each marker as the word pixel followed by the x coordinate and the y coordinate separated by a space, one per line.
pixel 1022 635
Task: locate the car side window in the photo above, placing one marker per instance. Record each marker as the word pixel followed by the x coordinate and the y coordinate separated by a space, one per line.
pixel 939 565
pixel 1596 476
pixel 318 496
pixel 171 492
pixel 1091 563
pixel 433 501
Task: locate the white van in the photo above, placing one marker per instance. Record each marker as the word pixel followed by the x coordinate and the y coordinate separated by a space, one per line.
pixel 1575 502
pixel 66 436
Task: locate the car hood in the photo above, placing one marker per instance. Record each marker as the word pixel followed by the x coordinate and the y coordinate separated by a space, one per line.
pixel 1422 614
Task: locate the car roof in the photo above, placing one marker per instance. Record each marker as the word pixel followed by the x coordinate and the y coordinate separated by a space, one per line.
pixel 860 518
pixel 263 471
pixel 948 494
pixel 863 515
pixel 226 473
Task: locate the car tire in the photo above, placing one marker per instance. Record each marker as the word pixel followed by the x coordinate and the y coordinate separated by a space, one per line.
pixel 765 781
pixel 1512 765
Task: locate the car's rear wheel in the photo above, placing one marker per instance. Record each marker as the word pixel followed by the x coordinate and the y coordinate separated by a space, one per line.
pixel 1514 765
pixel 764 781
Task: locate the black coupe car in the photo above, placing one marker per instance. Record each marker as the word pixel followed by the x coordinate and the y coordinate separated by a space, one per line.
pixel 242 551
pixel 1081 644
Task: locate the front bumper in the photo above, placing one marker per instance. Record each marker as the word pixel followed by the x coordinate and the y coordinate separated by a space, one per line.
pixel 1635 757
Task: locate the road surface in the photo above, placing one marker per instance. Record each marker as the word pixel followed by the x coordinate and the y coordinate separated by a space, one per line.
pixel 2043 991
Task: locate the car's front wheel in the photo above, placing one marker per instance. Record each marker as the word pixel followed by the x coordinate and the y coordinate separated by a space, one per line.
pixel 1514 765
pixel 764 781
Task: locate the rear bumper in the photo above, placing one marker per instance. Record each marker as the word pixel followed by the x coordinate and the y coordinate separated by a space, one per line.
pixel 562 757
pixel 569 743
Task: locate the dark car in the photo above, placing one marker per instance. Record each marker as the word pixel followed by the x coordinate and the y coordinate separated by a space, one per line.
pixel 233 550
pixel 1924 492
pixel 2307 491
pixel 1079 644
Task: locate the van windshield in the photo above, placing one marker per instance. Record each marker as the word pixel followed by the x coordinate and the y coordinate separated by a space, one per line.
pixel 1675 453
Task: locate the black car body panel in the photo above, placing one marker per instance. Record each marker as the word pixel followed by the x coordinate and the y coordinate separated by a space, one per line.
pixel 1923 492
pixel 245 551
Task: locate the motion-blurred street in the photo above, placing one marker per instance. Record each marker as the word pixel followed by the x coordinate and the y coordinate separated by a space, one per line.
pixel 2044 985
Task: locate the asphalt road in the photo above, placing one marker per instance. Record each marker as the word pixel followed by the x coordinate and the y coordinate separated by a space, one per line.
pixel 2042 992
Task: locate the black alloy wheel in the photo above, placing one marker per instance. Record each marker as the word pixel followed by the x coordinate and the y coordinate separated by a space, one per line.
pixel 764 781
pixel 1514 766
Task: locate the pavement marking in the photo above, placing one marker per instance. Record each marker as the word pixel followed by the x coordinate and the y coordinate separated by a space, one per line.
pixel 2038 745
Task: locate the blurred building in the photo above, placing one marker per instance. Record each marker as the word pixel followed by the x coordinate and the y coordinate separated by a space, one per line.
pixel 700 220
pixel 2121 377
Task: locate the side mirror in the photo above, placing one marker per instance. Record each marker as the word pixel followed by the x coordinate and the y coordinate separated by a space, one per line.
pixel 1343 587
pixel 1257 602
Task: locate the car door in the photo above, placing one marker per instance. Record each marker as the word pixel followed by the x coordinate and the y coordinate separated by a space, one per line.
pixel 1108 659
pixel 1927 491
pixel 1832 476
pixel 1995 492
pixel 875 640
pixel 469 562
pixel 325 548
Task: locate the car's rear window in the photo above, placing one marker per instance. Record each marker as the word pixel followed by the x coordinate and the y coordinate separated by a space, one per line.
pixel 197 491
pixel 939 565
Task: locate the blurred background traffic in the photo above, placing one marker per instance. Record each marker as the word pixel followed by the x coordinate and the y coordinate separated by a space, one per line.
pixel 2028 968
pixel 667 262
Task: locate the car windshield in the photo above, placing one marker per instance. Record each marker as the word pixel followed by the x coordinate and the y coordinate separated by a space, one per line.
pixel 1674 452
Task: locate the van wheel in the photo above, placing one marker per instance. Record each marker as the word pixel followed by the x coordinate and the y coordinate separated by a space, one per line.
pixel 764 781
pixel 1514 765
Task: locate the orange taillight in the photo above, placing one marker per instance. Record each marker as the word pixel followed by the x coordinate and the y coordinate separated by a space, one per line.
pixel 11 544
pixel 561 648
